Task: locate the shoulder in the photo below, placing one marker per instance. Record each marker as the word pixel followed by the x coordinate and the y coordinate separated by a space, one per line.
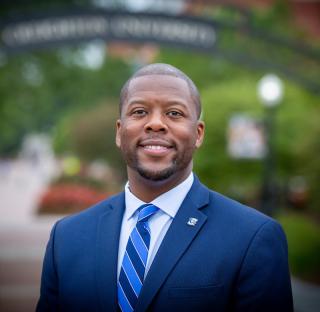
pixel 245 230
pixel 220 206
pixel 236 218
pixel 234 209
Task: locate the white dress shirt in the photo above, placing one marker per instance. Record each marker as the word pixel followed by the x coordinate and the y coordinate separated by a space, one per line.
pixel 159 223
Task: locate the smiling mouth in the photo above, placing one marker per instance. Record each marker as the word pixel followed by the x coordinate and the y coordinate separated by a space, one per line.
pixel 156 147
pixel 156 150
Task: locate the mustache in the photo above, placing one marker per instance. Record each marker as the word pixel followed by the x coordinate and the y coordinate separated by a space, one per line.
pixel 156 137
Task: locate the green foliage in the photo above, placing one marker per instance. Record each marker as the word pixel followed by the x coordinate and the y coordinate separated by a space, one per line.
pixel 90 134
pixel 204 69
pixel 296 128
pixel 303 236
pixel 38 89
pixel 219 171
pixel 275 17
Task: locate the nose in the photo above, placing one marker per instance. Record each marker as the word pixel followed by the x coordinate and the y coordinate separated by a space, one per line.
pixel 155 123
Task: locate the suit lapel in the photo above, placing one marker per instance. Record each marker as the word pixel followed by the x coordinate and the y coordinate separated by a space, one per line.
pixel 108 234
pixel 178 238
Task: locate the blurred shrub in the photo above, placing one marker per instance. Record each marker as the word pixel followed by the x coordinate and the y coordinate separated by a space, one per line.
pixel 71 193
pixel 68 198
pixel 90 135
pixel 303 236
pixel 81 180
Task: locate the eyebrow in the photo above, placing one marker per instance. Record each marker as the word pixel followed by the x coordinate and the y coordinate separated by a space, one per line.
pixel 168 103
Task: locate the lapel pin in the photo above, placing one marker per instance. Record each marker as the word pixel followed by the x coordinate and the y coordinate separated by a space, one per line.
pixel 192 221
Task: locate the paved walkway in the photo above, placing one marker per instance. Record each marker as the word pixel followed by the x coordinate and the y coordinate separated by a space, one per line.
pixel 22 248
pixel 306 296
pixel 23 237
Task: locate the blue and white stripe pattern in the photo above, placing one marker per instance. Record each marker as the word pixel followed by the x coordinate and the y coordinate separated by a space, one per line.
pixel 135 259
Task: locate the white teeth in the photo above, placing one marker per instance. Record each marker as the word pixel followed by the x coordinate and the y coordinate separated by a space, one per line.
pixel 155 147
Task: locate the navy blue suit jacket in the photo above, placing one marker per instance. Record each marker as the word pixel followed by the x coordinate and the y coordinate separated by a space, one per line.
pixel 233 259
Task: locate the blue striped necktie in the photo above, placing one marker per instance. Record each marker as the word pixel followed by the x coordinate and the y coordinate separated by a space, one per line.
pixel 134 260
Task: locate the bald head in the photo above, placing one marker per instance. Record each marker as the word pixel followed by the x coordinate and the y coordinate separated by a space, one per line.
pixel 166 70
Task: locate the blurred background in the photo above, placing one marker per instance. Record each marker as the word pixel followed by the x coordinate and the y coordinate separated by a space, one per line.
pixel 62 65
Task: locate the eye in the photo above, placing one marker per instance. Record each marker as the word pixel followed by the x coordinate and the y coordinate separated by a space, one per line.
pixel 139 112
pixel 174 114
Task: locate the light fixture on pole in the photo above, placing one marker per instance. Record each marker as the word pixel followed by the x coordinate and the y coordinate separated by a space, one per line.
pixel 270 92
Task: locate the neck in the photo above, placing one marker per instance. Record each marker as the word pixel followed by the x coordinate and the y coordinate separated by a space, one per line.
pixel 148 190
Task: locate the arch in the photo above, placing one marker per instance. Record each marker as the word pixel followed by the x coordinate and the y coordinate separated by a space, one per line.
pixel 251 47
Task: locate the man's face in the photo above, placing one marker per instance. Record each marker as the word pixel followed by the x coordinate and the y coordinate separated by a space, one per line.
pixel 159 129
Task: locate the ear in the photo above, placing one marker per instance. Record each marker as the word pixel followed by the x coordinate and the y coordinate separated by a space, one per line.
pixel 200 133
pixel 118 136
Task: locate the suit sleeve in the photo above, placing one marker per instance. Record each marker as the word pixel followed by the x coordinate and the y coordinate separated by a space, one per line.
pixel 264 279
pixel 49 290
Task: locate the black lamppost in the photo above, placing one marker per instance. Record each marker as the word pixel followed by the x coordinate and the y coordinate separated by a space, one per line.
pixel 270 92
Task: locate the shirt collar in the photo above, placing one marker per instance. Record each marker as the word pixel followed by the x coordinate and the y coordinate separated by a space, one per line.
pixel 168 202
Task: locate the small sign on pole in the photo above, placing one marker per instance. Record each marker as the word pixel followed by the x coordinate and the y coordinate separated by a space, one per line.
pixel 246 138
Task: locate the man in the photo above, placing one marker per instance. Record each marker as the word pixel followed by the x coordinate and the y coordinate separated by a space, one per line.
pixel 167 243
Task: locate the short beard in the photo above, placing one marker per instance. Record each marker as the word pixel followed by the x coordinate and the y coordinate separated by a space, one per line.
pixel 133 162
pixel 157 175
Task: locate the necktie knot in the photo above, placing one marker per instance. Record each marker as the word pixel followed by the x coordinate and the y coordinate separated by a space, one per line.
pixel 146 211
